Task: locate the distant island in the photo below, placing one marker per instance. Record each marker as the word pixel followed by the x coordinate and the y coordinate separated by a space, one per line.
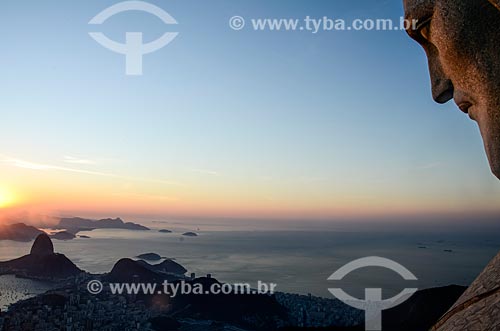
pixel 149 256
pixel 164 231
pixel 76 224
pixel 166 267
pixel 25 233
pixel 19 232
pixel 63 235
pixel 190 234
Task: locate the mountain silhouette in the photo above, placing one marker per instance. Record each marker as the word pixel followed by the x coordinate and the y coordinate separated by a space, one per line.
pixel 42 246
pixel 167 267
pixel 18 232
pixel 41 263
pixel 130 271
pixel 76 224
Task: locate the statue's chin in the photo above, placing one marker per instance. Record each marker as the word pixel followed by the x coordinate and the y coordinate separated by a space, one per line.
pixel 496 169
pixel 489 126
pixel 493 152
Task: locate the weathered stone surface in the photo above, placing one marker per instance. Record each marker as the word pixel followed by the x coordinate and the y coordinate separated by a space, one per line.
pixel 495 3
pixel 462 41
pixel 479 307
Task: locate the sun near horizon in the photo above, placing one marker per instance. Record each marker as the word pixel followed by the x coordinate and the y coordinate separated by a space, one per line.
pixel 7 198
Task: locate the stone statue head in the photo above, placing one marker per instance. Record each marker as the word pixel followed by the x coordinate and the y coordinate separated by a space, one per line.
pixel 462 41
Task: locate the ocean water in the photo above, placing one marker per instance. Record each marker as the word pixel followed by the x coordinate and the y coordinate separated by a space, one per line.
pixel 13 289
pixel 298 261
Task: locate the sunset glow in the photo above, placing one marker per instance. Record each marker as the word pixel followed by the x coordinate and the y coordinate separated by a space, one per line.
pixel 194 139
pixel 6 198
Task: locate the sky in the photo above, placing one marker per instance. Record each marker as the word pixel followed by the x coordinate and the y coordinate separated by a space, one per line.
pixel 225 123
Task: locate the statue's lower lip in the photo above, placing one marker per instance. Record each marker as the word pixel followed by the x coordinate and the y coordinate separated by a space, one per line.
pixel 465 107
pixel 471 113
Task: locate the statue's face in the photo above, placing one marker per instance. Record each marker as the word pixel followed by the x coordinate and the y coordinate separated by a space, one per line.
pixel 462 42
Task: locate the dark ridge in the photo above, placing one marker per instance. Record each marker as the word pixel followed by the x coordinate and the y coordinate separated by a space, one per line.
pixel 130 271
pixel 422 310
pixel 167 266
pixel 149 256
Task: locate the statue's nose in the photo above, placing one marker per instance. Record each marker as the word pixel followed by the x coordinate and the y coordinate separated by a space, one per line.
pixel 442 86
pixel 442 90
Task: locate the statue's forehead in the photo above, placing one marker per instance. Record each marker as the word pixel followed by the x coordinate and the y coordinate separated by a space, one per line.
pixel 416 8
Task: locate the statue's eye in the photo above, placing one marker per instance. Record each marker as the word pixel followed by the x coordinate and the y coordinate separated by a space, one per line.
pixel 424 29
